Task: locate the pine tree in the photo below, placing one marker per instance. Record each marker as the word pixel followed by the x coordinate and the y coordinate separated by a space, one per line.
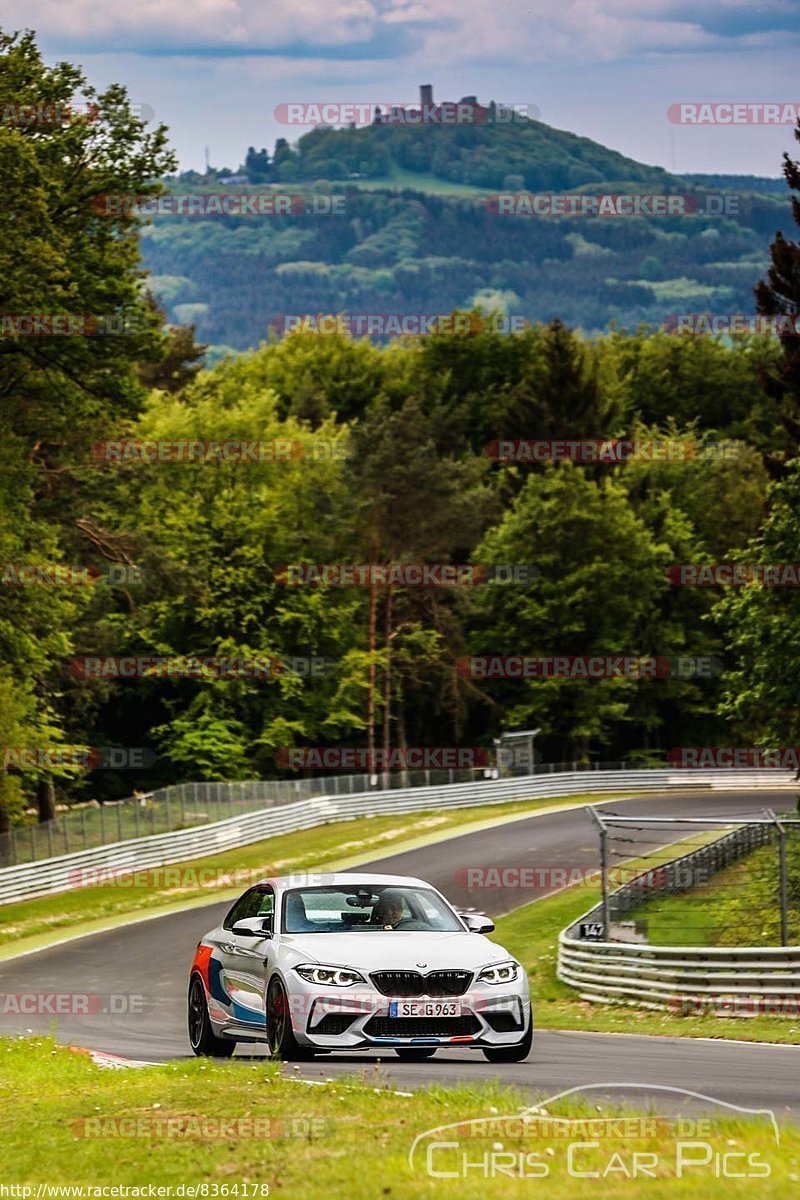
pixel 779 296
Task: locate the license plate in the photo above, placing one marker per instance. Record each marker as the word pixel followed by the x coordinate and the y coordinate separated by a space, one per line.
pixel 424 1008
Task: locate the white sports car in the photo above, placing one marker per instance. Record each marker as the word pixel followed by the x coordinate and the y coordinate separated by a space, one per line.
pixel 352 961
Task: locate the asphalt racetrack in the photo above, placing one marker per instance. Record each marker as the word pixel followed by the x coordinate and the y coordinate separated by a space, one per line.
pixel 150 959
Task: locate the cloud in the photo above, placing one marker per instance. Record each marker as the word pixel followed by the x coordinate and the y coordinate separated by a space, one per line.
pixel 216 26
pixel 516 31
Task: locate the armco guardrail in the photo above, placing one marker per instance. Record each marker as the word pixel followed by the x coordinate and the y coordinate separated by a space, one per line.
pixel 65 872
pixel 185 805
pixel 682 978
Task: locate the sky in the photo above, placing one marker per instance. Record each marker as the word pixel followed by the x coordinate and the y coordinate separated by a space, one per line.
pixel 215 71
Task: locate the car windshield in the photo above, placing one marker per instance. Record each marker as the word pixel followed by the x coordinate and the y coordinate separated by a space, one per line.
pixel 365 909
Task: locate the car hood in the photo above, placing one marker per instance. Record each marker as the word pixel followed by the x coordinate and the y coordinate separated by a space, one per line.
pixel 398 951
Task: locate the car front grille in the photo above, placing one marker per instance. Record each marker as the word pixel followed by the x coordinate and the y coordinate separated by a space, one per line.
pixel 412 983
pixel 410 1027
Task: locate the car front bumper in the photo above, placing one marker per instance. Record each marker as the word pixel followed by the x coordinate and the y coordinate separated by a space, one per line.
pixel 336 1019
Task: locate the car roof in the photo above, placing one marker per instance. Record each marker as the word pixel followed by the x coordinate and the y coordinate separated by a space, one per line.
pixel 337 878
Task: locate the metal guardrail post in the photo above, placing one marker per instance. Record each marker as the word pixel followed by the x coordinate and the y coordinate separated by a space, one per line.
pixel 783 879
pixel 694 974
pixel 606 904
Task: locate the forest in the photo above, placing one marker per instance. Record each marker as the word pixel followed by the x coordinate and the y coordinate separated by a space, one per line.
pixel 173 549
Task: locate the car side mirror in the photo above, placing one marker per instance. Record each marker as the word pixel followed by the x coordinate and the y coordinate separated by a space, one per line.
pixel 478 922
pixel 259 927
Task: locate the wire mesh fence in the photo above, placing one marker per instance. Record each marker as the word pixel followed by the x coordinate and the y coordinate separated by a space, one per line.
pixel 707 881
pixel 186 805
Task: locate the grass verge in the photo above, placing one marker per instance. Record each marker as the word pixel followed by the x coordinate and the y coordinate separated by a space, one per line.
pixel 351 1138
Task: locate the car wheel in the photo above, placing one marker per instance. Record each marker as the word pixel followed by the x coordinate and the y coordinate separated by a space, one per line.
pixel 415 1053
pixel 280 1036
pixel 506 1054
pixel 203 1040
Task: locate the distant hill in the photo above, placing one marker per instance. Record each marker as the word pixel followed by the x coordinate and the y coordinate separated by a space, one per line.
pixel 412 233
pixel 492 152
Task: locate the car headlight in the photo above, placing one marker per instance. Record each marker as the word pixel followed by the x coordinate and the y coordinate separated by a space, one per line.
pixel 503 972
pixel 337 976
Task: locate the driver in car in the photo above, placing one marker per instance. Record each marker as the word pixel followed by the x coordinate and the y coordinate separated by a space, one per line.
pixel 389 910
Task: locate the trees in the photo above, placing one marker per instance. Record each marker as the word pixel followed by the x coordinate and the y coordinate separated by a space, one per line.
pixel 779 296
pixel 392 465
pixel 60 254
pixel 762 625
pixel 257 165
pixel 763 622
pixel 602 573
pixel 417 503
pixel 212 538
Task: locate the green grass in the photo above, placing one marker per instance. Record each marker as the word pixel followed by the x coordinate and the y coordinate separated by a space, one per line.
pixel 397 179
pixel 531 935
pixel 419 181
pixel 345 1141
pixel 738 906
pixel 341 843
pixel 697 917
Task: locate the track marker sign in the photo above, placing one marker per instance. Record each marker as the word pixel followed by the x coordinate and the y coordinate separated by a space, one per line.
pixel 593 931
